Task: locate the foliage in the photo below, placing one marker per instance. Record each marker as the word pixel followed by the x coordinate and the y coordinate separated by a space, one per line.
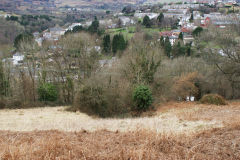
pixel 47 92
pixel 128 10
pixel 185 85
pixel 103 99
pixel 147 22
pixel 91 100
pixel 178 50
pixel 94 27
pixel 160 17
pixel 213 99
pixel 118 43
pixel 180 36
pixel 4 82
pixel 162 42
pixel 141 67
pixel 26 37
pixel 191 18
pixel 2 104
pixel 12 18
pixel 222 50
pixel 106 43
pixel 197 31
pixel 33 23
pixel 142 97
pixel 77 29
pixel 167 47
pixel 9 30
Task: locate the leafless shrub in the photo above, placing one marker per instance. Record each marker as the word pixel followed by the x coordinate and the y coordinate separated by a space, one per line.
pixel 185 85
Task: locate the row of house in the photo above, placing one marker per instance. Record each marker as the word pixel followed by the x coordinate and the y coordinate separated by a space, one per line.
pixel 219 19
pixel 182 6
pixel 173 35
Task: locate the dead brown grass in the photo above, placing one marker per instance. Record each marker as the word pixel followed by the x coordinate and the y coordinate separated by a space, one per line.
pixel 225 114
pixel 176 143
pixel 217 144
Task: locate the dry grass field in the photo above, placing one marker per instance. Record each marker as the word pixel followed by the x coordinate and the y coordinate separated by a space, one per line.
pixel 176 131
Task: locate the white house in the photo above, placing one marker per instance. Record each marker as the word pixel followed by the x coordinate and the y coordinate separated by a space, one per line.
pixel 73 25
pixel 142 15
pixel 107 62
pixel 17 58
pixel 126 20
pixel 53 33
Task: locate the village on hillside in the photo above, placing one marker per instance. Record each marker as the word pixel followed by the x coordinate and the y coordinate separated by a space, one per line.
pixel 178 18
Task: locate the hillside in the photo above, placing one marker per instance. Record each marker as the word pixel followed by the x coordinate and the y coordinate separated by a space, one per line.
pixel 178 131
pixel 22 5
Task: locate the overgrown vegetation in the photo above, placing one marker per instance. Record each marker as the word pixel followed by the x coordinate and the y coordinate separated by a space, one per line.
pixel 213 99
pixel 102 81
pixel 47 92
pixel 142 96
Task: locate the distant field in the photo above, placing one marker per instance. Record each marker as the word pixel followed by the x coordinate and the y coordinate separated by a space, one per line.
pixel 129 32
pixel 92 2
pixel 178 131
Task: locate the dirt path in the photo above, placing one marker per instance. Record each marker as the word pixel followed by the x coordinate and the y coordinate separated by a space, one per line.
pixel 56 118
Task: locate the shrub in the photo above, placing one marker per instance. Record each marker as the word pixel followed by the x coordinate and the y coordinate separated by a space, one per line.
pixel 2 104
pixel 103 100
pixel 47 92
pixel 185 85
pixel 90 100
pixel 213 99
pixel 14 103
pixel 142 96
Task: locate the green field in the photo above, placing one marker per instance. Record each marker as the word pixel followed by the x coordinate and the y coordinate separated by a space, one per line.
pixel 129 32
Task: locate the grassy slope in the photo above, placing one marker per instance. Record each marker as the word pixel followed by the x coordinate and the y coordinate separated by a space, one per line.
pixel 198 143
pixel 216 144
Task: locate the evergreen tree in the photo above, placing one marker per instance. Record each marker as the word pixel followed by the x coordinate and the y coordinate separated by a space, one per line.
pixel 94 26
pixel 122 43
pixel 167 47
pixel 77 29
pixel 188 49
pixel 191 18
pixel 162 41
pixel 178 50
pixel 197 31
pixel 106 43
pixel 118 43
pixel 147 22
pixel 180 36
pixel 160 17
pixel 115 44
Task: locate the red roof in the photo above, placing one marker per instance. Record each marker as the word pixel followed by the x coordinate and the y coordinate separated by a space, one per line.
pixel 185 30
pixel 166 33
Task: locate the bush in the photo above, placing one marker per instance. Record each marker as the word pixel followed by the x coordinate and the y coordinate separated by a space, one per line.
pixel 2 104
pixel 103 100
pixel 13 103
pixel 47 92
pixel 185 85
pixel 90 100
pixel 142 96
pixel 213 99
